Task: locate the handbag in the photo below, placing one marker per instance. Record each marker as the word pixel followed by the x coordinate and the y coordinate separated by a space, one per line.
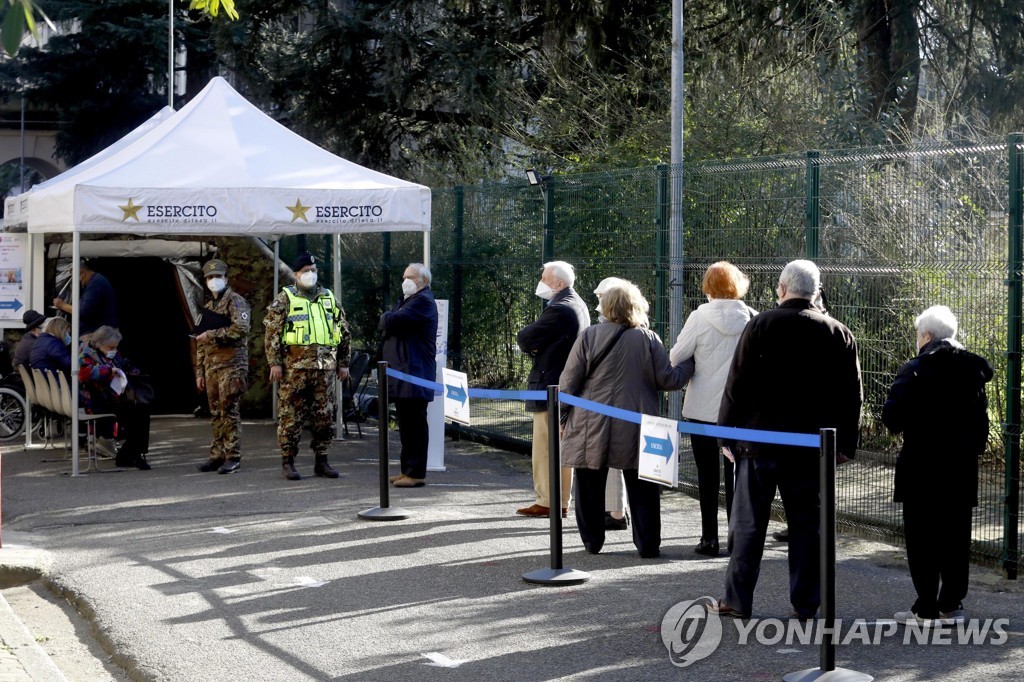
pixel 140 390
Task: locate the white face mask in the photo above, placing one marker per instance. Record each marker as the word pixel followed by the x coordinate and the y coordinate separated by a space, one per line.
pixel 216 284
pixel 544 291
pixel 409 287
pixel 308 279
pixel 111 354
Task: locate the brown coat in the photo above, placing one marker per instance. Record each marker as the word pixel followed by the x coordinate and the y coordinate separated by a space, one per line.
pixel 629 377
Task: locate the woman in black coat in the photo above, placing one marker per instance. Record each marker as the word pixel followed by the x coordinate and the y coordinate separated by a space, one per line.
pixel 938 403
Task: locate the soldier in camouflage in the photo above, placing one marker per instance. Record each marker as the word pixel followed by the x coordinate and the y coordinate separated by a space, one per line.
pixel 307 344
pixel 222 367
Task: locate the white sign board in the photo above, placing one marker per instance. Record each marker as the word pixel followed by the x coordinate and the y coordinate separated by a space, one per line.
pixel 659 450
pixel 435 408
pixel 456 396
pixel 13 285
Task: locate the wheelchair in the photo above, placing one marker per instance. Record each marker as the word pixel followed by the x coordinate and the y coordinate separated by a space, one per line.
pixel 13 407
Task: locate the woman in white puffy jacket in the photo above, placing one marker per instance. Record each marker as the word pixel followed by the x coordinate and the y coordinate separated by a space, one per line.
pixel 710 336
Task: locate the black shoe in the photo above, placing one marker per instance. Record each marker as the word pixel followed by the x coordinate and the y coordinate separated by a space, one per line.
pixel 612 523
pixel 707 547
pixel 322 469
pixel 141 463
pixel 288 470
pixel 782 535
pixel 230 466
pixel 210 465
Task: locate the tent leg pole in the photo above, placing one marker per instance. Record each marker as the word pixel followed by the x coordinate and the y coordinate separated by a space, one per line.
pixel 76 269
pixel 339 387
pixel 277 287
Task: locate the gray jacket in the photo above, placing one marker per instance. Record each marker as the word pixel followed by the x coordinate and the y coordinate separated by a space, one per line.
pixel 629 377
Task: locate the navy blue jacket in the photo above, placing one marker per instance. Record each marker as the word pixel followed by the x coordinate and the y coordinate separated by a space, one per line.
pixel 549 339
pixel 410 343
pixel 49 352
pixel 98 307
pixel 938 403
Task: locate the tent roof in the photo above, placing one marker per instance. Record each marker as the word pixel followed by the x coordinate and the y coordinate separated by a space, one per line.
pixel 221 166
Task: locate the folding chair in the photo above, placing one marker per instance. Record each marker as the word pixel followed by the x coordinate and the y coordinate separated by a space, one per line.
pixel 349 405
pixel 90 419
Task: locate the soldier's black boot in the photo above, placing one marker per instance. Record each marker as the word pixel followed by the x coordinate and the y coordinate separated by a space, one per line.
pixel 288 469
pixel 323 469
pixel 210 465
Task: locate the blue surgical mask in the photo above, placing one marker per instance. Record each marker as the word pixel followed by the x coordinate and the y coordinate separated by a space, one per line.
pixel 67 339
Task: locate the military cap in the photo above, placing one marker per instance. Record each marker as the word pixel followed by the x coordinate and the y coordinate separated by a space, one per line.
pixel 215 267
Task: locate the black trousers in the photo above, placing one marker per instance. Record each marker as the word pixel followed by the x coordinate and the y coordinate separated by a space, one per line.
pixel 414 434
pixel 706 456
pixel 794 473
pixel 133 426
pixel 938 536
pixel 644 506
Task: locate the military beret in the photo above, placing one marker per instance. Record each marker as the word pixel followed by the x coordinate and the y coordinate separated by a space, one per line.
pixel 302 261
pixel 215 267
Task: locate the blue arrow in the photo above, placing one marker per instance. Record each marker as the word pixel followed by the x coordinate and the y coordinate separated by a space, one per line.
pixel 659 446
pixel 10 305
pixel 456 392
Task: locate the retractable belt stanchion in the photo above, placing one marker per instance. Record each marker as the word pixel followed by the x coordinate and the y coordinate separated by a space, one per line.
pixel 556 575
pixel 827 670
pixel 384 512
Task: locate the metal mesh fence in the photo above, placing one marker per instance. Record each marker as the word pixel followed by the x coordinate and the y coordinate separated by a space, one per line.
pixel 894 231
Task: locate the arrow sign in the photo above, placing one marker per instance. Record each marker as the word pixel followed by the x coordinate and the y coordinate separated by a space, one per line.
pixel 457 393
pixel 10 305
pixel 662 447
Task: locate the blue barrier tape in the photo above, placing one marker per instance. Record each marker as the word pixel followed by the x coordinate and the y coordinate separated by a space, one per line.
pixel 803 440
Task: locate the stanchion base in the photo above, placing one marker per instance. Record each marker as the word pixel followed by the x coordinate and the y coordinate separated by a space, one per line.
pixel 384 514
pixel 819 675
pixel 556 576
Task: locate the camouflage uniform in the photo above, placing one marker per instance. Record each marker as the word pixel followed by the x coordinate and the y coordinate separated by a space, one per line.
pixel 307 390
pixel 222 361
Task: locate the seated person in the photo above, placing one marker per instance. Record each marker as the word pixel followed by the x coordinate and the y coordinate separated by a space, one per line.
pixel 33 328
pixel 100 364
pixel 52 350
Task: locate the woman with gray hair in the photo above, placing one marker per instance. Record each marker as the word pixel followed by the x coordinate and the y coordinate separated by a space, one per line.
pixel 106 385
pixel 621 363
pixel 938 403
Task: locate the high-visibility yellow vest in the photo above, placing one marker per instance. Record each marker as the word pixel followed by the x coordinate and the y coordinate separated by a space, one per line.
pixel 311 322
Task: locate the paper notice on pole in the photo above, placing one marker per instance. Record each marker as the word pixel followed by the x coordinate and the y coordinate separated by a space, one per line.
pixel 659 450
pixel 119 382
pixel 456 396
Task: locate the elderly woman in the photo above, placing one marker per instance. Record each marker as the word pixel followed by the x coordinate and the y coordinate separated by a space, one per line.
pixel 620 363
pixel 105 380
pixel 52 350
pixel 938 403
pixel 709 337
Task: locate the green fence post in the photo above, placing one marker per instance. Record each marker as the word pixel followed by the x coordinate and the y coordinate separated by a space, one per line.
pixel 455 332
pixel 385 274
pixel 813 189
pixel 1015 286
pixel 661 271
pixel 547 188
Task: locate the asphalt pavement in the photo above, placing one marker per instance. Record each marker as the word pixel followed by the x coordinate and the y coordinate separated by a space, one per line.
pixel 193 576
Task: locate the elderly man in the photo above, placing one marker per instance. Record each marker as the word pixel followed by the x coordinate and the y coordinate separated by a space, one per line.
pixel 548 341
pixel 794 370
pixel 410 346
pixel 98 306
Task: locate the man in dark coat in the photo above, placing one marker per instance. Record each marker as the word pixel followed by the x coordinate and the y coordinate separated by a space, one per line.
pixel 410 346
pixel 548 341
pixel 938 403
pixel 795 370
pixel 33 328
pixel 98 305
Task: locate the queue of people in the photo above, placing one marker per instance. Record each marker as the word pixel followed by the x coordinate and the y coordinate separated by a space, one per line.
pixel 790 369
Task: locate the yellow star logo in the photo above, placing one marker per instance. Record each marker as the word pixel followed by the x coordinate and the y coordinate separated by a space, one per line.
pixel 298 210
pixel 130 211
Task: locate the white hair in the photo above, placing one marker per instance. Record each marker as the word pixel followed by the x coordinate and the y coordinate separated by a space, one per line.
pixel 563 271
pixel 609 283
pixel 939 321
pixel 423 270
pixel 801 278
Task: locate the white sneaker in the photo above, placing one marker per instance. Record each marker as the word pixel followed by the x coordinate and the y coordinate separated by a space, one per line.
pixel 951 617
pixel 911 618
pixel 105 448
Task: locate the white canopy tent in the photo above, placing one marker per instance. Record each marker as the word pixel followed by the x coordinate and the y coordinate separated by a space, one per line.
pixel 219 166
